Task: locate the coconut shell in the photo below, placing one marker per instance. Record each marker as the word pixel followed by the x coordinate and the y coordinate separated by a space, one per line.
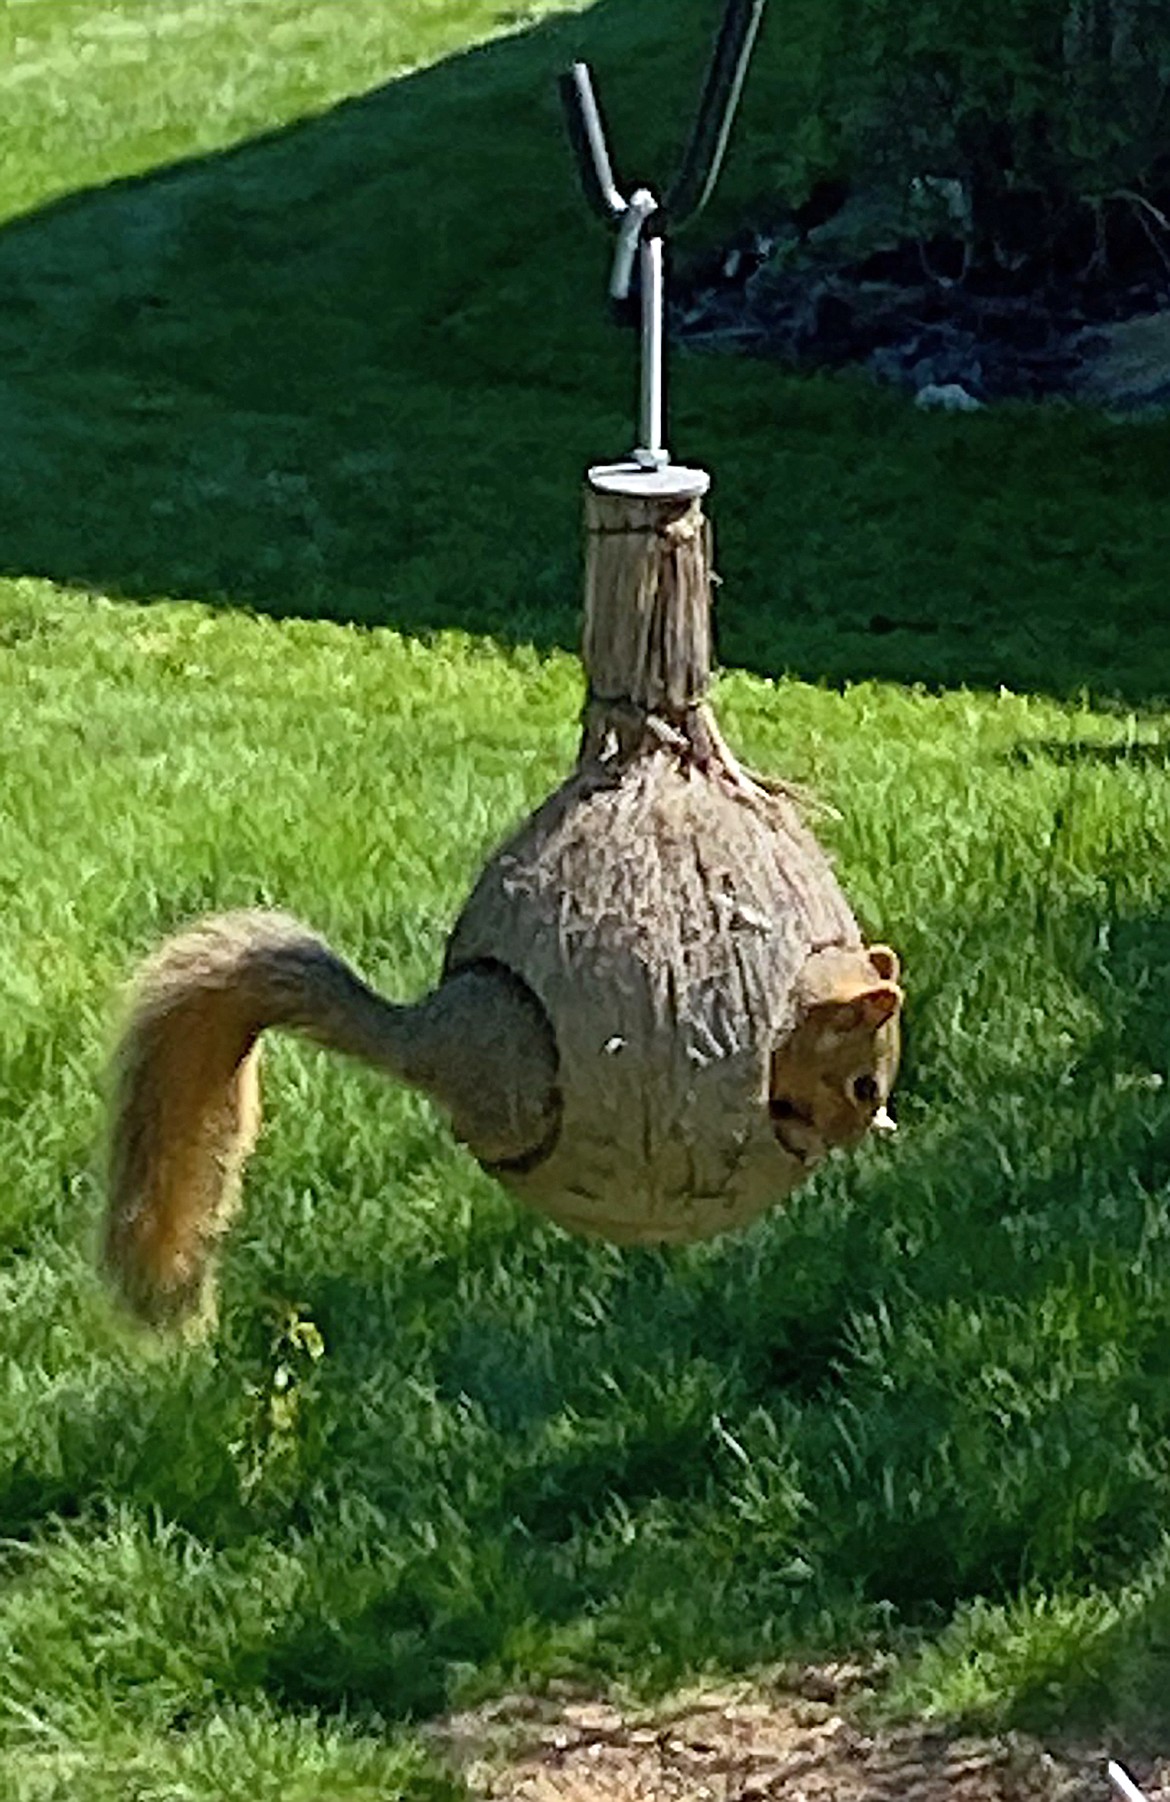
pixel 661 913
pixel 660 906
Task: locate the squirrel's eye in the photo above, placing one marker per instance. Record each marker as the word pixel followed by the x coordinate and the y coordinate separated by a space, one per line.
pixel 865 1088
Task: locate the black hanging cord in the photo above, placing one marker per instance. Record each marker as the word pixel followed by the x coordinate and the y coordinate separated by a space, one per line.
pixel 693 186
pixel 703 158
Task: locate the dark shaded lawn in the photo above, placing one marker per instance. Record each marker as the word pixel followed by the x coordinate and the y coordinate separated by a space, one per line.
pixel 355 369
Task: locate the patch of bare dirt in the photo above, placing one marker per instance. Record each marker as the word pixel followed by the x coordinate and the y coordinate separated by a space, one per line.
pixel 802 1740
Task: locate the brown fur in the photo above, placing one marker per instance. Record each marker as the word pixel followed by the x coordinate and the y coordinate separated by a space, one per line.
pixel 832 1076
pixel 186 1112
pixel 186 1106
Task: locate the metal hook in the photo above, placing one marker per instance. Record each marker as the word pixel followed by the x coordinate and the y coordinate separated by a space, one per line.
pixel 642 220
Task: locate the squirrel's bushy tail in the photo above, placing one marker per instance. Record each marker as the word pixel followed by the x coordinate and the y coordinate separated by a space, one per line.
pixel 186 1105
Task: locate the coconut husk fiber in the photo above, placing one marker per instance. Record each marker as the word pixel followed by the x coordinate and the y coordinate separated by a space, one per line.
pixel 656 1014
pixel 660 906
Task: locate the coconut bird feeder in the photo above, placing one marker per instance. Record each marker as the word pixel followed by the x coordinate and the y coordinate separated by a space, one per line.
pixel 674 916
pixel 657 1012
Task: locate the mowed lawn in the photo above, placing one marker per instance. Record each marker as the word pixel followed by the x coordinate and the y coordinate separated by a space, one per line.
pixel 303 350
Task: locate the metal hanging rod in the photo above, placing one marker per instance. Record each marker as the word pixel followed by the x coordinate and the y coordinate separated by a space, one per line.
pixel 643 221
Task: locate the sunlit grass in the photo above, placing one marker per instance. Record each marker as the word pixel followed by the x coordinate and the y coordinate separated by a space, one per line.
pixel 927 1403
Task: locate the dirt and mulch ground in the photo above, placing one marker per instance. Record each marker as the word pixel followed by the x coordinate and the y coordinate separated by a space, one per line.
pixel 801 1740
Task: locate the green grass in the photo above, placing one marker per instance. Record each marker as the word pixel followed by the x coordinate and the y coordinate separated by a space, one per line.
pixel 350 372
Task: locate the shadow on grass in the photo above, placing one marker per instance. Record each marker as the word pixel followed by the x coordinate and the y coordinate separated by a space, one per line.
pixel 1141 754
pixel 354 370
pixel 941 1375
pixel 861 1414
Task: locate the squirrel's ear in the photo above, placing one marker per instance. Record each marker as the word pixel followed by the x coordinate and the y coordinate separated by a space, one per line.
pixel 865 1008
pixel 878 1005
pixel 839 973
